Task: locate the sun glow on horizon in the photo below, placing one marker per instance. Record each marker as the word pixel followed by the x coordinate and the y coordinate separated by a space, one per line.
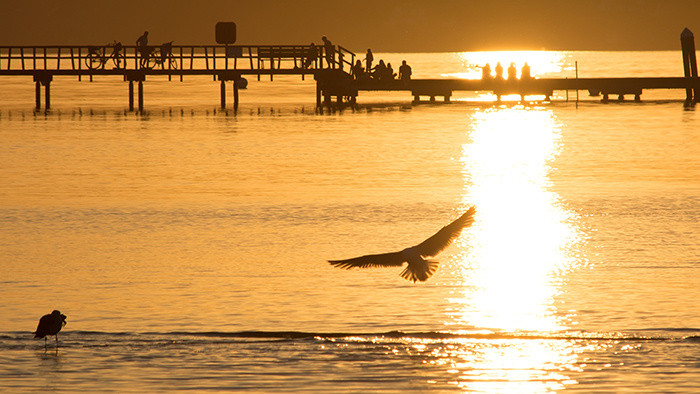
pixel 542 63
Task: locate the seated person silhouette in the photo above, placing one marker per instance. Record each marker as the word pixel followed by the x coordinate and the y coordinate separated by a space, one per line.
pixel 166 49
pixel 311 55
pixel 357 71
pixel 486 72
pixel 499 71
pixel 379 70
pixel 116 51
pixel 525 72
pixel 389 72
pixel 512 72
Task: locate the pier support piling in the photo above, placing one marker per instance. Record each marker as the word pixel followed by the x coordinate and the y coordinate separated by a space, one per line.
pixel 135 76
pixel 43 78
pixel 235 94
pixel 140 96
pixel 47 94
pixel 38 94
pixel 223 93
pixel 131 95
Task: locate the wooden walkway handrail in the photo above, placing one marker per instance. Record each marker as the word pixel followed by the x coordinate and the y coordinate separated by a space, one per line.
pixel 213 57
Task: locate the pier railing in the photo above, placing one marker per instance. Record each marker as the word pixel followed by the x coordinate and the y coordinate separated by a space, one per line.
pixel 170 59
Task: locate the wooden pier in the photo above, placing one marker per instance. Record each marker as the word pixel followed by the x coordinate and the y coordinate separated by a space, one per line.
pixel 224 63
pixel 604 87
pixel 229 64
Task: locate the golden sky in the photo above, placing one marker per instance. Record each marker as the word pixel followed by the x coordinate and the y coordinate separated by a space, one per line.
pixel 397 25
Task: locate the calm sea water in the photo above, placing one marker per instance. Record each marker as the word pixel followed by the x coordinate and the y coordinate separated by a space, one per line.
pixel 188 245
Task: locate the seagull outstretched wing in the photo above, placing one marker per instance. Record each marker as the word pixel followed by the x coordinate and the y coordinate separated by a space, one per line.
pixel 394 259
pixel 418 268
pixel 443 238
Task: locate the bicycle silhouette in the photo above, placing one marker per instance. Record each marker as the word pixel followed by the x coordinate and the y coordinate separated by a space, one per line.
pixel 97 56
pixel 159 56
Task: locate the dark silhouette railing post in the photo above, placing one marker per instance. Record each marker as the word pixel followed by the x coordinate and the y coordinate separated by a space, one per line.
pixel 690 66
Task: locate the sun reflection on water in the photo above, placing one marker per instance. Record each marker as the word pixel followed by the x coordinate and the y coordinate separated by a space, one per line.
pixel 522 235
pixel 514 255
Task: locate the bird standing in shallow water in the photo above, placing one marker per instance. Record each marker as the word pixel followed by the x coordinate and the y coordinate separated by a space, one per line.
pixel 418 268
pixel 50 324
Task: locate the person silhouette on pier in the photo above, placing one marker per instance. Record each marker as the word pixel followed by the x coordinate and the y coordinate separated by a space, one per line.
pixel 525 72
pixel 142 48
pixel 357 71
pixel 512 72
pixel 379 70
pixel 499 71
pixel 486 72
pixel 405 71
pixel 329 50
pixel 390 74
pixel 369 58
pixel 311 55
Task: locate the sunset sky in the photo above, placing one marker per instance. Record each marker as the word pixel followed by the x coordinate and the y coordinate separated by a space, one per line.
pixel 388 26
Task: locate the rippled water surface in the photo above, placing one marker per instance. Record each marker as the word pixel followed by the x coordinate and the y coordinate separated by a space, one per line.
pixel 188 245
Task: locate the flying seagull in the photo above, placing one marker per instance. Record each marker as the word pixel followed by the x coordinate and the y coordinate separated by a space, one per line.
pixel 50 324
pixel 418 268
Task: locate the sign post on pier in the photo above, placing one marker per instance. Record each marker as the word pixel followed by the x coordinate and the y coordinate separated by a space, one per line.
pixel 690 65
pixel 225 33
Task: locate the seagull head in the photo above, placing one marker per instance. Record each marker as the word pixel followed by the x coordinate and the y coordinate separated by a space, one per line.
pixel 58 314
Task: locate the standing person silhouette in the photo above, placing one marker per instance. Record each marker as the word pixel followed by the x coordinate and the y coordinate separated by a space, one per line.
pixel 329 50
pixel 369 58
pixel 142 48
pixel 405 71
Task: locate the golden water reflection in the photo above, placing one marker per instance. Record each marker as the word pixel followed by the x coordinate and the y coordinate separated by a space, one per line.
pixel 515 255
pixel 522 235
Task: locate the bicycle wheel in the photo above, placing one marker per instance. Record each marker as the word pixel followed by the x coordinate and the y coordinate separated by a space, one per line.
pixel 172 63
pixel 119 61
pixel 94 61
pixel 150 62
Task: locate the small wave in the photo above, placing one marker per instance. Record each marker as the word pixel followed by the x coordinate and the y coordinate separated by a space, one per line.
pixel 667 329
pixel 429 335
pixel 630 335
